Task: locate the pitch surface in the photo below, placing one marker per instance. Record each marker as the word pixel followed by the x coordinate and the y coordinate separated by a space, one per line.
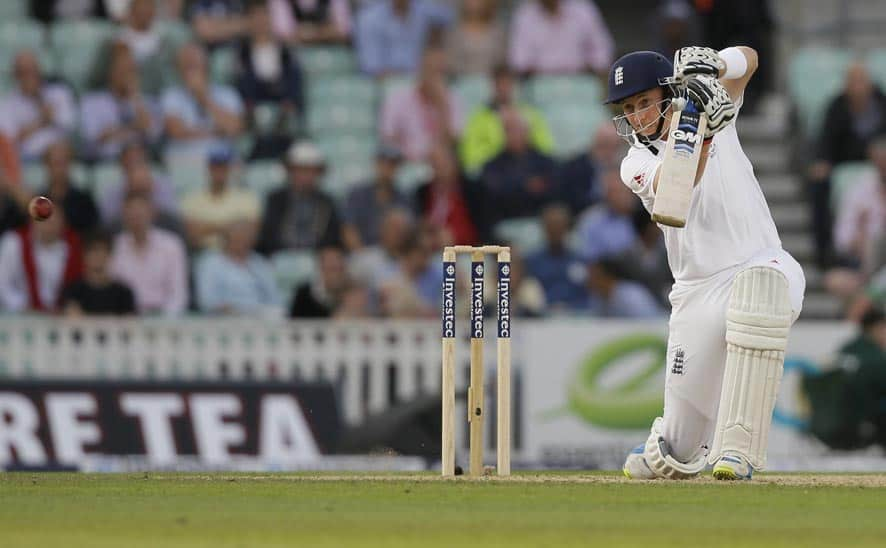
pixel 534 509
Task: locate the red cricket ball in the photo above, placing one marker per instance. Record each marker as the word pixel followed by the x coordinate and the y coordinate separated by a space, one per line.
pixel 40 208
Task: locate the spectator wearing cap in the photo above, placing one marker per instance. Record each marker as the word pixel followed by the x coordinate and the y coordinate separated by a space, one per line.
pixel 607 229
pixel 560 270
pixel 270 72
pixel 559 37
pixel 198 112
pixel 208 212
pixel 518 181
pixel 392 34
pixel 150 260
pixel 139 177
pixel 36 262
pixel 484 135
pixel 612 295
pixel 97 292
pixel 235 279
pixel 120 113
pixel 414 118
pixel 80 210
pixel 299 215
pixel 578 179
pixel 367 204
pixel 37 112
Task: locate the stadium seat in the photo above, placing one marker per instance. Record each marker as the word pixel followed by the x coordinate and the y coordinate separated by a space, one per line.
pixel 350 159
pixel 76 45
pixel 186 172
pixel 263 176
pixel 577 90
pixel 106 176
pixel 14 11
pixel 292 268
pixel 177 33
pixel 815 76
pixel 16 36
pixel 876 62
pixel 524 233
pixel 326 60
pixel 845 176
pixel 573 126
pixel 325 89
pixel 34 176
pixel 473 91
pixel 223 65
pixel 341 117
pixel 411 175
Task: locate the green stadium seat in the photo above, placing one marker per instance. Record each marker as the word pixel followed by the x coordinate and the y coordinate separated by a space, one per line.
pixel 106 176
pixel 291 269
pixel 326 60
pixel 411 175
pixel 76 45
pixel 524 233
pixel 876 62
pixel 552 90
pixel 178 33
pixel 351 160
pixel 34 176
pixel 341 117
pixel 473 91
pixel 325 89
pixel 815 76
pixel 573 126
pixel 186 172
pixel 845 176
pixel 223 65
pixel 14 11
pixel 263 176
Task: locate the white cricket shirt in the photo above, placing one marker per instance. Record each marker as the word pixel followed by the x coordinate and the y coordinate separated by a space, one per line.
pixel 729 221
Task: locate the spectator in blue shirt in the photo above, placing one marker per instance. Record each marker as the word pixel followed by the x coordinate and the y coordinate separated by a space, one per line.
pixel 198 113
pixel 391 34
pixel 613 296
pixel 560 270
pixel 607 228
pixel 237 280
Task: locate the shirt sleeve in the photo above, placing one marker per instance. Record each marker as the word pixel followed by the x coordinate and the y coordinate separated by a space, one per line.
pixel 205 282
pixel 64 109
pixel 847 224
pixel 369 48
pixel 638 170
pixel 439 13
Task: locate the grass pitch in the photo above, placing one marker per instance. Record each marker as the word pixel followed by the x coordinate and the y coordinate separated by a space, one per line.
pixel 550 509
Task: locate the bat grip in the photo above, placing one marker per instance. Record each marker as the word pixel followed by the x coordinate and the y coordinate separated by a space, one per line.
pixel 690 106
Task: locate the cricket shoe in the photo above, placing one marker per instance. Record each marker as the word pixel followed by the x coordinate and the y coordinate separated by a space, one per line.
pixel 635 466
pixel 732 466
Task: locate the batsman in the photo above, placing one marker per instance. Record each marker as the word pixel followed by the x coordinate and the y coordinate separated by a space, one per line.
pixel 736 291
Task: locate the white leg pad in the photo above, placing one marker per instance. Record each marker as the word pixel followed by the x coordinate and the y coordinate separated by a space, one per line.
pixel 757 325
pixel 662 464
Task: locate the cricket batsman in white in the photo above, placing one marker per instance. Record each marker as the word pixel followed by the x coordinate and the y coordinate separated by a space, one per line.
pixel 736 291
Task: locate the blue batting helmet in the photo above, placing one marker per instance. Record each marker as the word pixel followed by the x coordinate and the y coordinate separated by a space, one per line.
pixel 636 72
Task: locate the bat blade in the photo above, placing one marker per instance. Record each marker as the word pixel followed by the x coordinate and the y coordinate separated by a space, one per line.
pixel 679 167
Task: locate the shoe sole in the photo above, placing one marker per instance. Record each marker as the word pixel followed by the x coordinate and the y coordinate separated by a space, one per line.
pixel 728 474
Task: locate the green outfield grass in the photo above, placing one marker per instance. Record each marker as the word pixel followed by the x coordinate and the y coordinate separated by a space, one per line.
pixel 79 510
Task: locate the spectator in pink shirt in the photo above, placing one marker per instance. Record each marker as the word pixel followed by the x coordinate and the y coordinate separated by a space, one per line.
pixel 150 260
pixel 415 118
pixel 559 37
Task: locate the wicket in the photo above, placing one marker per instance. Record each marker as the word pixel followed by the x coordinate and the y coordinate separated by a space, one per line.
pixel 475 389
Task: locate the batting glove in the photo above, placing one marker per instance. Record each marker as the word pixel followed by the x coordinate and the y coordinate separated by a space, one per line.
pixel 710 96
pixel 695 60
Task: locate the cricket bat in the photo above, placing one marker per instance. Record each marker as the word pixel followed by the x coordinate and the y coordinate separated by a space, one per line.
pixel 679 167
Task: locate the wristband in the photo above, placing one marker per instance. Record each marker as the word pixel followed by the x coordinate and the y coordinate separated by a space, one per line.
pixel 735 61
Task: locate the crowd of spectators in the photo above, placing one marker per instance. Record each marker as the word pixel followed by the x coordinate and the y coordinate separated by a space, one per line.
pixel 147 246
pixel 849 220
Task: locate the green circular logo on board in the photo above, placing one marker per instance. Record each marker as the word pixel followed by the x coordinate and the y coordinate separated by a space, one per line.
pixel 633 403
